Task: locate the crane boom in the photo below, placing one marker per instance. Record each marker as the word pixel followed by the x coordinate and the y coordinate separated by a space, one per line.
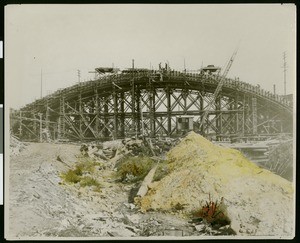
pixel 219 87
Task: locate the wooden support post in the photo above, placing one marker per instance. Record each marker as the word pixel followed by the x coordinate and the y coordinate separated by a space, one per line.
pixel 115 98
pixel 122 116
pixel 47 119
pixel 152 111
pixel 133 127
pixel 138 113
pixel 184 96
pixel 244 116
pixel 168 93
pixel 237 114
pixel 254 115
pixel 41 127
pixel 201 112
pixel 106 119
pixel 61 118
pixel 97 111
pixel 218 117
pixel 35 130
pixel 80 117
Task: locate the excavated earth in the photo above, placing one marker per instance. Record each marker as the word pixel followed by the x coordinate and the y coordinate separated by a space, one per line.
pixel 40 205
pixel 258 202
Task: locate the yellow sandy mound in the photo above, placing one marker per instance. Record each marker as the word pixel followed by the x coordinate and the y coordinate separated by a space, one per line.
pixel 258 201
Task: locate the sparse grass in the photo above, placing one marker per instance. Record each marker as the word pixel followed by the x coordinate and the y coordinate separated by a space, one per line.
pixel 78 170
pixel 71 176
pixel 84 165
pixel 134 169
pixel 88 181
pixel 87 164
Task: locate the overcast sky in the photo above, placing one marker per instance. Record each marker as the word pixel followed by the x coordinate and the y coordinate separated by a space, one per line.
pixel 59 39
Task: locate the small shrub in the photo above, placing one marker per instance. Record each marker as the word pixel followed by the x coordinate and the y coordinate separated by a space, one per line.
pixel 213 213
pixel 78 170
pixel 71 177
pixel 133 169
pixel 86 164
pixel 75 175
pixel 88 181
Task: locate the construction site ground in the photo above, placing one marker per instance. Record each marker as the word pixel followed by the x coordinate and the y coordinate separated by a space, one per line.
pixel 42 204
pixel 39 206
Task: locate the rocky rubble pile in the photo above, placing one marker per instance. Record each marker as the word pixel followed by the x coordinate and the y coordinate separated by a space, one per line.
pixel 257 201
pixel 15 146
pixel 127 147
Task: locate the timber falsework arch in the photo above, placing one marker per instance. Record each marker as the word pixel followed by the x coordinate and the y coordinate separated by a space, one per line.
pixel 122 105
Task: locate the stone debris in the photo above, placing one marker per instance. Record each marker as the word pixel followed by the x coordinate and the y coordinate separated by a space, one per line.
pixel 15 146
pixel 114 151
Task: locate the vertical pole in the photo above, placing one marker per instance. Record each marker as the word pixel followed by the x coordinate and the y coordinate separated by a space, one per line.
pixel 138 117
pixel 122 116
pixel 142 120
pixel 41 128
pixel 115 113
pixel 201 111
pixel 184 96
pixel 47 121
pixel 97 122
pixel 106 132
pixel 254 115
pixel 133 108
pixel 274 89
pixel 284 71
pixel 80 117
pixel 61 124
pixel 218 117
pixel 237 125
pixel 78 74
pixel 169 110
pixel 63 117
pixel 152 111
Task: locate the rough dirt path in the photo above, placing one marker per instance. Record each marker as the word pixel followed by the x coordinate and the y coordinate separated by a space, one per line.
pixel 40 207
pixel 36 202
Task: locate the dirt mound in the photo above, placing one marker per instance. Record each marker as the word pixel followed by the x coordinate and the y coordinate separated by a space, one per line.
pixel 258 202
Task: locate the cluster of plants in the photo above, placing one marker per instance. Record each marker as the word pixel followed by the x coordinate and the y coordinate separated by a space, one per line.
pixel 212 212
pixel 134 169
pixel 78 174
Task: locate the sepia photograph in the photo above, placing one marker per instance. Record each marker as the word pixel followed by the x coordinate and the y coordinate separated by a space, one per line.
pixel 150 121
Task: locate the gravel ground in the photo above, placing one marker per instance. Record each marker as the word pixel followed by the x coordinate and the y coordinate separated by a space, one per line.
pixel 41 206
